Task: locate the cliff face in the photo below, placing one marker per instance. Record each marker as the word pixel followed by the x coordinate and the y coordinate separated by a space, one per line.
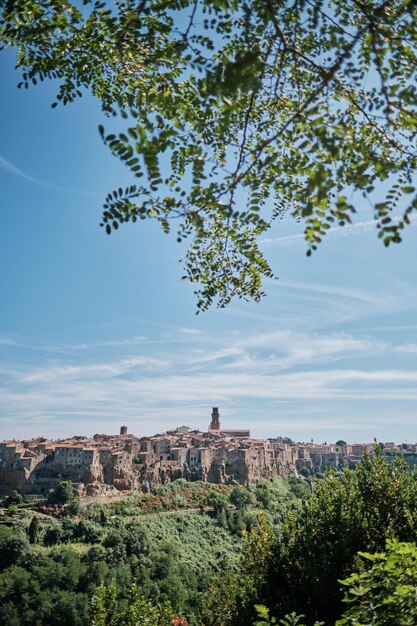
pixel 47 474
pixel 98 469
pixel 16 466
pixel 15 479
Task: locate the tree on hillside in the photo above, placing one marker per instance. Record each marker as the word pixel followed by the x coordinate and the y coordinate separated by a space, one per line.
pixel 15 498
pixel 237 112
pixel 317 545
pixel 33 530
pixel 241 497
pixel 106 611
pixel 62 494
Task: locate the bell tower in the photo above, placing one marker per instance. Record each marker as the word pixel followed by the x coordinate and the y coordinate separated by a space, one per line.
pixel 215 419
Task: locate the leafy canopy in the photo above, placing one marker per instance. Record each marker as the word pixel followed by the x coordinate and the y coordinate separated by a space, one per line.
pixel 237 112
pixel 317 545
pixel 106 611
pixel 62 494
pixel 384 593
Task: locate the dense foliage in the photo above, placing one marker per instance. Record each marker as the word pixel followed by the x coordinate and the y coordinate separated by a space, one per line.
pixel 241 556
pixel 238 112
pixel 105 610
pixel 384 593
pixel 298 568
pixel 317 546
pixel 172 542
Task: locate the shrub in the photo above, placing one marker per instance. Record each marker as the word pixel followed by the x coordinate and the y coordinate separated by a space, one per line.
pixel 62 494
pixel 15 498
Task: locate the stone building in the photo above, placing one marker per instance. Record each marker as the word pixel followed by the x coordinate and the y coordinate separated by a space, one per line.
pixel 124 462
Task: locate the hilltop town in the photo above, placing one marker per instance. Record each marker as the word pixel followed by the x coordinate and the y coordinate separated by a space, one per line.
pixel 105 464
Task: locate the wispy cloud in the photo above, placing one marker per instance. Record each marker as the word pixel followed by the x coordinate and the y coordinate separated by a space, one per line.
pixel 319 370
pixel 12 169
pixel 97 371
pixel 5 341
pixel 408 348
pixel 333 290
pixel 115 343
pixel 261 370
pixel 160 396
pixel 350 230
pixel 286 349
pixel 190 331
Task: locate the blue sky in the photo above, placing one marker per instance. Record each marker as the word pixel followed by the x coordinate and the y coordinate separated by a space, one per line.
pixel 97 331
